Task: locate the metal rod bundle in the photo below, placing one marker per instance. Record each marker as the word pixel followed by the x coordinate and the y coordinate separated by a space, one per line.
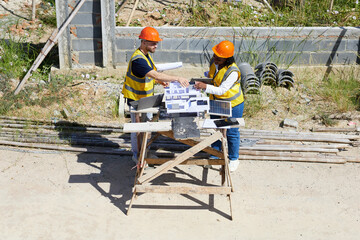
pixel 250 83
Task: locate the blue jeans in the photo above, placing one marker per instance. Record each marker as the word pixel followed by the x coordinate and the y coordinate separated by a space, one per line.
pixel 232 134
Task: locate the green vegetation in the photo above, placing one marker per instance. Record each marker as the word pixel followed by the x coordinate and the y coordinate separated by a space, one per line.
pixel 36 93
pixel 47 13
pixel 342 89
pixel 287 14
pixel 326 120
pixel 16 58
pixel 254 103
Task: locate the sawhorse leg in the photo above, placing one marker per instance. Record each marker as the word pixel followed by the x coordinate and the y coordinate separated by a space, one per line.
pixel 140 166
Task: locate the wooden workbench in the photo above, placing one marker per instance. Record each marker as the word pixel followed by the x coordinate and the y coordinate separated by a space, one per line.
pixel 144 175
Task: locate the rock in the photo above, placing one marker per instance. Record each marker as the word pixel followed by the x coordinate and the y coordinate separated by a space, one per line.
pixel 289 123
pixel 57 113
pixel 65 113
pixel 33 96
pixel 316 117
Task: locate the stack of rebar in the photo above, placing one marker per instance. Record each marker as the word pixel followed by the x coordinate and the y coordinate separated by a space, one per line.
pixel 285 78
pixel 249 82
pixel 266 72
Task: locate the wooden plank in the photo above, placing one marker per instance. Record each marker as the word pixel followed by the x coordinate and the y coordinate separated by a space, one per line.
pixel 293 159
pixel 290 148
pixel 261 133
pixel 88 149
pixel 328 146
pixel 328 129
pixel 285 154
pixel 194 161
pixel 300 138
pixel 147 127
pixel 192 142
pixel 179 159
pixel 183 189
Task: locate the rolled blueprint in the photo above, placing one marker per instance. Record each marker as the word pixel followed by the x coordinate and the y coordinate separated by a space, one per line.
pixel 168 66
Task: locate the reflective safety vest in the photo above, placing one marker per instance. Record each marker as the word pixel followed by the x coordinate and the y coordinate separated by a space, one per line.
pixel 234 94
pixel 134 87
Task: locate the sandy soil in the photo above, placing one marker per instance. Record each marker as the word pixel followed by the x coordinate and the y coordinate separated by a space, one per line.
pixel 56 195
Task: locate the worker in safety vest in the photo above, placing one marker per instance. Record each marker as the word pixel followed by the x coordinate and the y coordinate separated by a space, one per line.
pixel 141 76
pixel 225 86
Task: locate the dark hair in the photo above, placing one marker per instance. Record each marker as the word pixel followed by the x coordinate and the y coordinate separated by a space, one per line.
pixel 229 61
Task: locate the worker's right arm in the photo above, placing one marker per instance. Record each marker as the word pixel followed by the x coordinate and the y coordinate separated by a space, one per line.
pixel 167 78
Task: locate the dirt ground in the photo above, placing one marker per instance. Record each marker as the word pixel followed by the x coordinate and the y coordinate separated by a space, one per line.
pixel 57 195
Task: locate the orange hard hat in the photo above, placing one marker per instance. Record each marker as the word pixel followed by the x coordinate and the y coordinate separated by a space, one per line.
pixel 224 49
pixel 150 34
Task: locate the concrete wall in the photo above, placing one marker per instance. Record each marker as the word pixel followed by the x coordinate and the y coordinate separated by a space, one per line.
pixel 301 46
pixel 93 39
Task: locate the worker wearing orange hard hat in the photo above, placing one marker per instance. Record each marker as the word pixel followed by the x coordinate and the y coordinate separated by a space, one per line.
pixel 225 86
pixel 140 78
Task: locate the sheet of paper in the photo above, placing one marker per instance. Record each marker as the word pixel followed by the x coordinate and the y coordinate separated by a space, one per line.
pixel 168 66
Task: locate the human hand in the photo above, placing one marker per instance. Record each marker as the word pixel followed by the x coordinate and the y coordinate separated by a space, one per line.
pixel 200 85
pixel 183 81
pixel 164 84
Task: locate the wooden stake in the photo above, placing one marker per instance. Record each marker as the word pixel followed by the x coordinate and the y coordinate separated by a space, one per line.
pixel 48 46
pixel 268 5
pixel 33 10
pixel 331 5
pixel 132 13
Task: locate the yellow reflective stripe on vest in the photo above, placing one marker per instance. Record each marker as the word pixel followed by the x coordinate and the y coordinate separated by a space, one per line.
pixel 234 94
pixel 238 94
pixel 134 78
pixel 139 92
pixel 135 87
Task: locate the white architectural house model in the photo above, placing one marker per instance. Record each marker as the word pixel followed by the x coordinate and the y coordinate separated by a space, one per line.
pixel 185 100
